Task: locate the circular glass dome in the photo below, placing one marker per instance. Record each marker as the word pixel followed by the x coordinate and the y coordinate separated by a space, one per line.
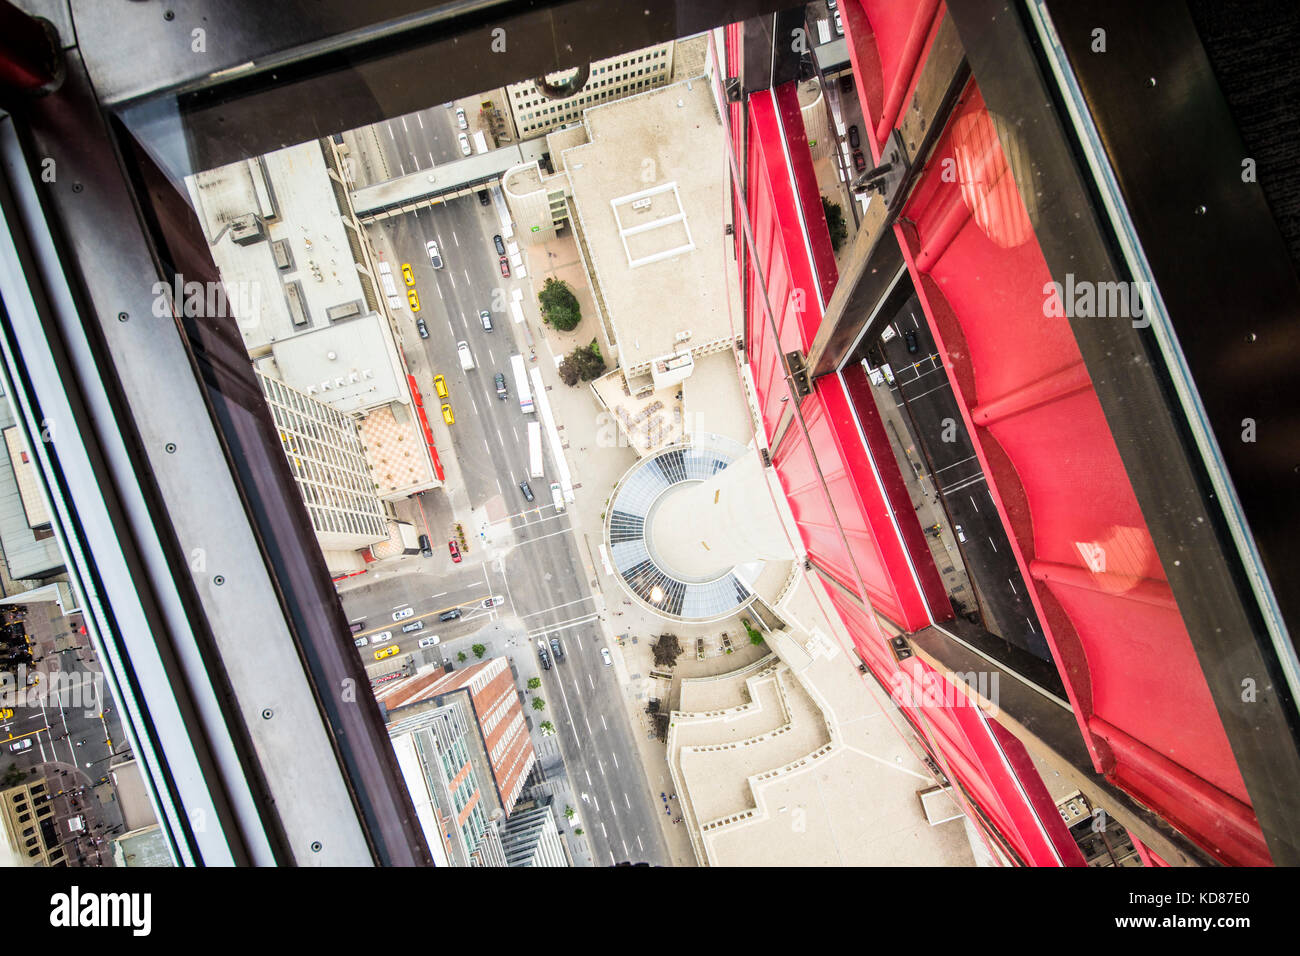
pixel 643 570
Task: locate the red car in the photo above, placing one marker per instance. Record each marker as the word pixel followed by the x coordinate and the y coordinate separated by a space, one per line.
pixel 455 551
pixel 505 267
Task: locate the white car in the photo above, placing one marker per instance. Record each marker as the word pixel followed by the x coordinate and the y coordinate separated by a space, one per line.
pixel 604 653
pixel 495 601
pixel 464 144
pixel 961 535
pixel 431 248
pixel 381 637
pixel 22 745
pixel 460 119
pixel 430 641
pixel 403 613
pixel 361 641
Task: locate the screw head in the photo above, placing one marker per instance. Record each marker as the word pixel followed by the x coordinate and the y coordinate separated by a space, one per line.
pixel 77 187
pixel 170 448
pixel 122 316
pixel 267 713
pixel 316 846
pixel 169 15
pixel 219 580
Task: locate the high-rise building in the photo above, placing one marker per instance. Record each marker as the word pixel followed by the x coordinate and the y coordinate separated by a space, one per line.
pixel 489 691
pixel 445 765
pixel 537 113
pixel 29 830
pixel 530 837
pixel 329 465
pixel 1006 449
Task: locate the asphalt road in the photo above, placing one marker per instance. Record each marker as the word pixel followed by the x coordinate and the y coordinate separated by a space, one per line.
pixel 925 393
pixel 407 144
pixel 530 557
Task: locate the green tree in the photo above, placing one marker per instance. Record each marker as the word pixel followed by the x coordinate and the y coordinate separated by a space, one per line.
pixel 577 831
pixel 569 812
pixel 755 635
pixel 461 657
pixel 539 704
pixel 479 650
pixel 835 223
pixel 582 364
pixel 547 728
pixel 534 683
pixel 559 305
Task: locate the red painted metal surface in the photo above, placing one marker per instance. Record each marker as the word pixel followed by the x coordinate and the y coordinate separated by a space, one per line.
pixel 1132 678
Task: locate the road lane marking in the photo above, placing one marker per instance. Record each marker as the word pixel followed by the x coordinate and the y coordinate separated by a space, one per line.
pixel 588 773
pixel 994 543
pixel 615 756
pixel 405 128
pixel 972 501
pixel 1013 587
pixel 556 607
pixel 640 844
pixel 602 722
pixel 600 763
pixel 628 802
pixel 593 685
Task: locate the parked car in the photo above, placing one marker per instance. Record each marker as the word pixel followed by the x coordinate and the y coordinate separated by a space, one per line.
pixel 6 713
pixel 413 626
pixel 433 641
pixel 403 614
pixel 464 144
pixel 451 615
pixel 356 627
pixel 454 550
pixel 431 248
pixel 859 161
pixel 501 246
pixel 407 274
pixel 447 415
pixel 440 386
pixel 527 489
pixel 505 267
pixel 961 535
pixel 854 139
pixel 483 199
pixel 387 652
pixel 543 656
pixel 461 121
pixel 413 298
pixel 426 549
pixel 361 641
pixel 839 27
pixel 556 649
pixel 422 328
pixel 500 380
pixel 909 337
pixel 604 653
pixel 485 318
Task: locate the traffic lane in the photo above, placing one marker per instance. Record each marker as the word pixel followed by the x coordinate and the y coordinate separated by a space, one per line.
pixel 374 606
pixel 604 757
pixel 448 633
pixel 602 736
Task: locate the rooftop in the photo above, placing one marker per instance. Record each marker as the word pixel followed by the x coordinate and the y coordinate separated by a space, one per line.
pixel 648 207
pixel 293 186
pixel 352 365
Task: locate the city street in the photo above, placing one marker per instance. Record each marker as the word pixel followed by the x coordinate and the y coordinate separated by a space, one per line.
pixel 404 145
pixel 522 551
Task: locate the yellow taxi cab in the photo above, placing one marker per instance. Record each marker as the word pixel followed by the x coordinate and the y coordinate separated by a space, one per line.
pixel 440 386
pixel 413 298
pixel 447 416
pixel 407 274
pixel 6 713
pixel 386 652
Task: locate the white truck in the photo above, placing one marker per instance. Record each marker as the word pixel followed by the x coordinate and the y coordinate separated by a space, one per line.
pixel 466 358
pixel 535 449
pixel 557 496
